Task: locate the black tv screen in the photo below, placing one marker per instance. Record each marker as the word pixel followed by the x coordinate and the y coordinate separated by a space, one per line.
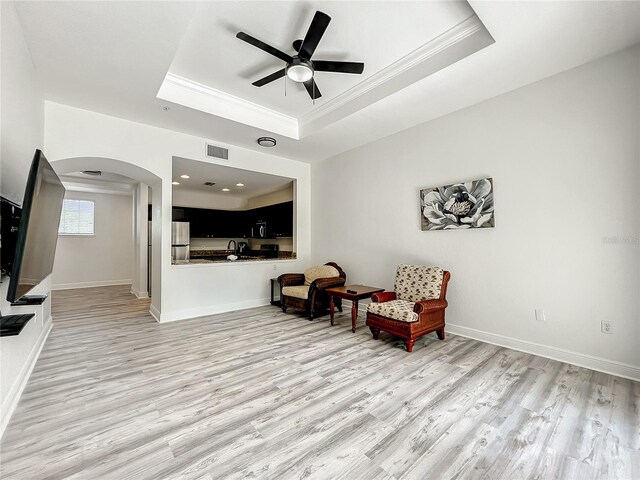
pixel 38 229
pixel 10 214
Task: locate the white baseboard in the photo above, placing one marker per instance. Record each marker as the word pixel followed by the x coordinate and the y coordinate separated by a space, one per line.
pixel 554 353
pixel 599 364
pixel 100 283
pixel 140 294
pixel 155 313
pixel 189 313
pixel 11 401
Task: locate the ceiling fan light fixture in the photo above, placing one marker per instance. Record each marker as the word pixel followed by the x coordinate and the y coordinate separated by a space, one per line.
pixel 300 70
pixel 267 142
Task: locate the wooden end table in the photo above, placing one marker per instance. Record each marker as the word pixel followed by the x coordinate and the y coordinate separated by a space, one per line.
pixel 362 291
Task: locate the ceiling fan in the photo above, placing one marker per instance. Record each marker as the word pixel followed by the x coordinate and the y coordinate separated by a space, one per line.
pixel 300 68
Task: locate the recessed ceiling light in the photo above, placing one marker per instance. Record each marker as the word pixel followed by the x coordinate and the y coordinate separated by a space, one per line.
pixel 239 184
pixel 226 190
pixel 267 142
pixel 185 176
pixel 175 183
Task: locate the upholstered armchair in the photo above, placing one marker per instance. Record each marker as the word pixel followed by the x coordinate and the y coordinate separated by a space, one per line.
pixel 306 291
pixel 415 308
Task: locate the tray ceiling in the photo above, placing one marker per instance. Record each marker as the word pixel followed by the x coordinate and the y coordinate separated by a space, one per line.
pixel 212 70
pixel 178 65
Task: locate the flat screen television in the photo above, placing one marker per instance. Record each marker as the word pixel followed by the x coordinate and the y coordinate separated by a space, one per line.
pixel 38 229
pixel 10 214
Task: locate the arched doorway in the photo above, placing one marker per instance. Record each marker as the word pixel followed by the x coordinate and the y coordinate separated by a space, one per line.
pixel 145 178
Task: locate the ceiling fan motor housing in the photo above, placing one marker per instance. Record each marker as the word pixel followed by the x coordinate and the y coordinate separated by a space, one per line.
pixel 300 69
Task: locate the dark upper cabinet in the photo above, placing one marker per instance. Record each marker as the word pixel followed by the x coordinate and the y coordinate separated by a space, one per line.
pixel 236 223
pixel 279 219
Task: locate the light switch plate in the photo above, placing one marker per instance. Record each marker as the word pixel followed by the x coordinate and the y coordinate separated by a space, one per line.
pixel 540 315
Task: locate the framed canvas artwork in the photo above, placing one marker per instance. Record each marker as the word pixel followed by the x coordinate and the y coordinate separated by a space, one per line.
pixel 461 205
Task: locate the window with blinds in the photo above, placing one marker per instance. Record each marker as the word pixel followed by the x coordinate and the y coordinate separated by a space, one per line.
pixel 77 217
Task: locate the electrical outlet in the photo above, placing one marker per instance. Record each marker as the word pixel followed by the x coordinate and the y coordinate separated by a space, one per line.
pixel 540 315
pixel 606 326
pixel 275 267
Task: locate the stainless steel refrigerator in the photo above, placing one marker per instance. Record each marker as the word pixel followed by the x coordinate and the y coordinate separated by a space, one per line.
pixel 179 241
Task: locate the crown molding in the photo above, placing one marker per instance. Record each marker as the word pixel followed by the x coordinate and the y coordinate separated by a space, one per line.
pixel 194 95
pixel 462 30
pixel 461 40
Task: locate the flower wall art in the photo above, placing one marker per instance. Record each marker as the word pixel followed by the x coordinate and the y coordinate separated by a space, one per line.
pixel 461 205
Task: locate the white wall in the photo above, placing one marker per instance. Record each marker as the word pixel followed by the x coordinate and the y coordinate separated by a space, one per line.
pixel 564 155
pixel 105 258
pixel 196 199
pixel 271 198
pixel 22 112
pixel 139 283
pixel 22 120
pixel 186 290
pixel 201 243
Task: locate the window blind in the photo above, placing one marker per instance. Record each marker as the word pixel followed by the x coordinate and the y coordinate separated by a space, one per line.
pixel 77 217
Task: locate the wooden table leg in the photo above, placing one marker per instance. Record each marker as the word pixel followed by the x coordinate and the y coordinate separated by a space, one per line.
pixel 354 315
pixel 332 309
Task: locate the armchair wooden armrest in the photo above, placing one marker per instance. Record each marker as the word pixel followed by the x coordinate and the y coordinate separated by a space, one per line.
pixel 324 283
pixel 383 297
pixel 426 306
pixel 289 279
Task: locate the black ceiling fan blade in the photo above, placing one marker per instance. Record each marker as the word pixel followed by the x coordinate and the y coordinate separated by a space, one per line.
pixel 312 89
pixel 318 25
pixel 338 67
pixel 263 46
pixel 270 78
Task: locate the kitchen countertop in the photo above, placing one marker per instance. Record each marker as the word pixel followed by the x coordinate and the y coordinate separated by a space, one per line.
pixel 203 261
pixel 198 257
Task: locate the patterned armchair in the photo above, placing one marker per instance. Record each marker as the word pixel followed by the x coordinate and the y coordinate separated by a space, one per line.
pixel 306 291
pixel 415 308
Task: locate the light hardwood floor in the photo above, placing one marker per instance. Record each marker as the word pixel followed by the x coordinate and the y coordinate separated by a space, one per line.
pixel 262 394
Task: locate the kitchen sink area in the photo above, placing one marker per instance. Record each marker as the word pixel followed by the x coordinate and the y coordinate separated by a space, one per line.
pixel 199 257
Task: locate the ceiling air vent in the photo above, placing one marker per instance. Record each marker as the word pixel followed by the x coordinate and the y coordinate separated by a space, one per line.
pixel 214 151
pixel 209 184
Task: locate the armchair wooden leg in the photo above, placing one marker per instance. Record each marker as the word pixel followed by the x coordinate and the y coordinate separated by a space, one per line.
pixel 440 333
pixel 409 345
pixel 310 315
pixel 284 308
pixel 375 332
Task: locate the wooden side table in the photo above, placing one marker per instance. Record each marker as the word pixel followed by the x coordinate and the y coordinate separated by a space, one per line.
pixel 362 291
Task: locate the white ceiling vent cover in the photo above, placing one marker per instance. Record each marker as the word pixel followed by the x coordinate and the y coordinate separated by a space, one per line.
pixel 213 151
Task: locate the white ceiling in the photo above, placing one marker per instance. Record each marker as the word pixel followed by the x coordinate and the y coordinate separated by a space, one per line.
pixel 211 55
pixel 107 182
pixel 103 177
pixel 255 183
pixel 112 57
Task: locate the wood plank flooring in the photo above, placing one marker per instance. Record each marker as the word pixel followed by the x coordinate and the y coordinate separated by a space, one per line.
pixel 262 394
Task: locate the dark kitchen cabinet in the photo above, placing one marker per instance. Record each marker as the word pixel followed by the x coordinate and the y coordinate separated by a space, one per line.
pixel 231 223
pixel 279 219
pixel 205 222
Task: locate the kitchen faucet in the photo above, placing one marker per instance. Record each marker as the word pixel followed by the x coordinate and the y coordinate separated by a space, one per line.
pixel 235 245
